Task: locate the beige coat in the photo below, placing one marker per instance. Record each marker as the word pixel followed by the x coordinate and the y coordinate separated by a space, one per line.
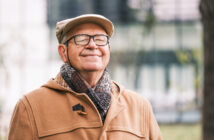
pixel 46 114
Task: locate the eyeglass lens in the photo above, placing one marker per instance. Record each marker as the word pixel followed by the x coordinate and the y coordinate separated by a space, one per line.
pixel 83 39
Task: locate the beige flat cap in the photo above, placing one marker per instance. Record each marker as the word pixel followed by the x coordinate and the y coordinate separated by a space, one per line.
pixel 64 26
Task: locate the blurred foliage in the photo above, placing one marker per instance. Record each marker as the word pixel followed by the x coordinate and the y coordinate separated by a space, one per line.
pixel 197 54
pixel 192 56
pixel 1 138
pixel 187 56
pixel 181 132
pixel 184 57
pixel 149 21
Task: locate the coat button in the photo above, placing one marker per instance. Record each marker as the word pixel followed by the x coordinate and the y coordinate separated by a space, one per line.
pixel 81 112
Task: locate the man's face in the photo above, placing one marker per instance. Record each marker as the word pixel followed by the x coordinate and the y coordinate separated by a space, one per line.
pixel 88 58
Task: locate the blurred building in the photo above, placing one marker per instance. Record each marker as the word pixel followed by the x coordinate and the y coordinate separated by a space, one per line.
pixel 156 50
pixel 23 53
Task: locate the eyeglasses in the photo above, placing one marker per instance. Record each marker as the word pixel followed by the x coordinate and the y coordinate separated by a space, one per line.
pixel 84 39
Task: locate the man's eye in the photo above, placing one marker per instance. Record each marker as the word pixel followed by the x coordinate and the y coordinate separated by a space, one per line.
pixel 99 39
pixel 80 40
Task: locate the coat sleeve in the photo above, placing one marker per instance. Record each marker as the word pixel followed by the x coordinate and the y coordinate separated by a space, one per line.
pixel 154 132
pixel 20 125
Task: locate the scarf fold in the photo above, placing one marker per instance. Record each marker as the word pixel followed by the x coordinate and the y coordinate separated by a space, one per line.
pixel 100 94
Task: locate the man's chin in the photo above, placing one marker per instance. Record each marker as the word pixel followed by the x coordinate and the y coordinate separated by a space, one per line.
pixel 93 68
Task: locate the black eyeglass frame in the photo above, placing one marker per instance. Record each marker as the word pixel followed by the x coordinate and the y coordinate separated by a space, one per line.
pixel 90 36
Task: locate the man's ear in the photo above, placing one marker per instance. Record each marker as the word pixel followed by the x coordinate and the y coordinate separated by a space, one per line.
pixel 62 52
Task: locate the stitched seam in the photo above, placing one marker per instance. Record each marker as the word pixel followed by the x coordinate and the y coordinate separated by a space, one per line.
pixel 31 125
pixel 66 129
pixel 125 129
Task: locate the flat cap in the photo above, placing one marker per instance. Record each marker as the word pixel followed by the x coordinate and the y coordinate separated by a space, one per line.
pixel 65 26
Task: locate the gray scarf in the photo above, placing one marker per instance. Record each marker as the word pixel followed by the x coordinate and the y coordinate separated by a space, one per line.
pixel 100 95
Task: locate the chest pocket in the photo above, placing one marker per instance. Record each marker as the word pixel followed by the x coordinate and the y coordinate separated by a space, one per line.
pixel 82 131
pixel 126 126
pixel 56 119
pixel 121 133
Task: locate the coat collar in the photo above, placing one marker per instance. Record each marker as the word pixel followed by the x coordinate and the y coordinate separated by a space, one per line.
pixel 58 83
pixel 116 107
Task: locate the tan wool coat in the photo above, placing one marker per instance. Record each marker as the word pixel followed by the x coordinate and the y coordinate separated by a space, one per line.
pixel 47 114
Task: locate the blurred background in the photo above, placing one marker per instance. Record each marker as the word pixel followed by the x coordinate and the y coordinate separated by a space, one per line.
pixel 156 51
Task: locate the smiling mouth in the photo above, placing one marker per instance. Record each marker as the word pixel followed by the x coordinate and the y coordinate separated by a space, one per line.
pixel 91 55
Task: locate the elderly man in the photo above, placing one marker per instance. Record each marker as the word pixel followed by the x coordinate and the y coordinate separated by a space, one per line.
pixel 82 102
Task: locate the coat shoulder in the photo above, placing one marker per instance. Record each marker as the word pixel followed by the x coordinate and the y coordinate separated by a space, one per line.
pixel 41 92
pixel 134 97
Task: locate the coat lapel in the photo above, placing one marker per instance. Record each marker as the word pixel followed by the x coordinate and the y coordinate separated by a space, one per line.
pixel 115 108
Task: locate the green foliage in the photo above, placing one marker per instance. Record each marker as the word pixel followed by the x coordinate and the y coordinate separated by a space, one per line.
pixel 1 138
pixel 197 55
pixel 181 132
pixel 150 21
pixel 183 56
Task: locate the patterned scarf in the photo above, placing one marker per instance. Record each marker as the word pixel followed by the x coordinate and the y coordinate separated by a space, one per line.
pixel 100 94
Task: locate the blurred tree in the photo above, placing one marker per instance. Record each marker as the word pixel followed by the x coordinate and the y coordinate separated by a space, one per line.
pixel 207 12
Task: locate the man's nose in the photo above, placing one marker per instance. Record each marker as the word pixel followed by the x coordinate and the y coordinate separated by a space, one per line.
pixel 92 44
